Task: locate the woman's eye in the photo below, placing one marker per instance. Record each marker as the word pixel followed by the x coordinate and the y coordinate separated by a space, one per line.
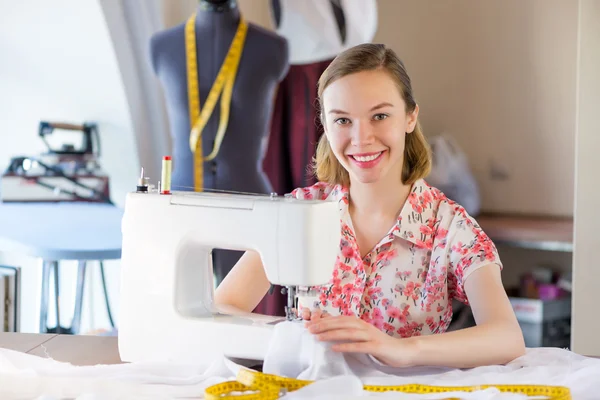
pixel 380 117
pixel 342 121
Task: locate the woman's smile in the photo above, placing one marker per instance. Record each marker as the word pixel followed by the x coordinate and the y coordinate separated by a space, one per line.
pixel 366 160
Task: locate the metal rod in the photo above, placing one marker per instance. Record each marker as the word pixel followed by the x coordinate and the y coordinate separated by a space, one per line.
pixel 76 323
pixel 106 299
pixel 290 309
pixel 57 296
pixel 46 269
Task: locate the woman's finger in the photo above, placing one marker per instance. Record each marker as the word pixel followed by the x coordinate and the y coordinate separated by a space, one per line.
pixel 325 324
pixel 316 314
pixel 349 335
pixel 305 314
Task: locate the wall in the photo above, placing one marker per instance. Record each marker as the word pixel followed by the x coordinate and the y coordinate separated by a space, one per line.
pixel 587 241
pixel 65 71
pixel 500 76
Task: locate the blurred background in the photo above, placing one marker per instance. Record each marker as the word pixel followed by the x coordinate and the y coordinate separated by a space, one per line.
pixel 508 95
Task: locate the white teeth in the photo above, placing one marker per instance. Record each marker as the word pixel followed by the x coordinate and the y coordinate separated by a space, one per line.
pixel 366 158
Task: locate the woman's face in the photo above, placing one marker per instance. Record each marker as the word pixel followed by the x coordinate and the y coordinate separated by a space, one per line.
pixel 366 124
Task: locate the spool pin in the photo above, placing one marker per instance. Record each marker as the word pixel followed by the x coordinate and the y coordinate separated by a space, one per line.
pixel 166 175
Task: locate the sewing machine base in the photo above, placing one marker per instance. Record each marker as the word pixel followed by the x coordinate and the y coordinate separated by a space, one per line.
pixel 249 339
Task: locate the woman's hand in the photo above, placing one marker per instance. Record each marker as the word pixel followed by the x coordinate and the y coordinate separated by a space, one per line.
pixel 358 336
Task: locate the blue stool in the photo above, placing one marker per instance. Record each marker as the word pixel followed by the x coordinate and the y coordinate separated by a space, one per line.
pixel 58 232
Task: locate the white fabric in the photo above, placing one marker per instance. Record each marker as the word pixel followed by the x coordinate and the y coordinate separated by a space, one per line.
pixel 292 353
pixel 312 32
pixel 338 374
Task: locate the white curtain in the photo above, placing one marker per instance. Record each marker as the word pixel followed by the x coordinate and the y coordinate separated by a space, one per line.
pixel 131 24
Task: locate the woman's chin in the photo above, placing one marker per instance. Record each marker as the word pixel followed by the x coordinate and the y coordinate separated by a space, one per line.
pixel 364 177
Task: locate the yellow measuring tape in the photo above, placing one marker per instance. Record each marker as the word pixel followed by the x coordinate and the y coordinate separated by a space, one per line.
pixel 252 385
pixel 223 86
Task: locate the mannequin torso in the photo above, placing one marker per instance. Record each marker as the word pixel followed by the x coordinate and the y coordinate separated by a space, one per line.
pixel 263 64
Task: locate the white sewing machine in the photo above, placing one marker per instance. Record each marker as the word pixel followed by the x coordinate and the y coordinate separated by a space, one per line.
pixel 166 304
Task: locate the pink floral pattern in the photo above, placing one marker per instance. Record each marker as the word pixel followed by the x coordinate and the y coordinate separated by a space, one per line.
pixel 406 284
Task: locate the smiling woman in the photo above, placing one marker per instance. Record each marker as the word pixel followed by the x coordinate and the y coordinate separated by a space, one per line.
pixel 407 251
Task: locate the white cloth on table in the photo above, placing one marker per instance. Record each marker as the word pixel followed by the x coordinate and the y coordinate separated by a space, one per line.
pixel 342 375
pixel 293 353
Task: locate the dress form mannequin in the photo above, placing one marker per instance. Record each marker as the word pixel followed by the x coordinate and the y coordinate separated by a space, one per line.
pixel 263 64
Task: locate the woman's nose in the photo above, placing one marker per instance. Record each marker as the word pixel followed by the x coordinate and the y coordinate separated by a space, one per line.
pixel 362 134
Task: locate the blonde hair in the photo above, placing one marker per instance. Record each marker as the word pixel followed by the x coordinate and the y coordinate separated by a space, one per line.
pixel 368 57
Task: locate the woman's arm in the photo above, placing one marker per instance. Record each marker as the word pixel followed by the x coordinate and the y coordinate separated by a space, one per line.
pixel 497 338
pixel 245 285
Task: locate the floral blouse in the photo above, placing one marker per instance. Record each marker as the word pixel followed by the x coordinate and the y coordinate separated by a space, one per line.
pixel 405 285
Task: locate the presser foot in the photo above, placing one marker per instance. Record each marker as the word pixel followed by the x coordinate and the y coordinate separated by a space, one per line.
pixel 292 315
pixel 291 309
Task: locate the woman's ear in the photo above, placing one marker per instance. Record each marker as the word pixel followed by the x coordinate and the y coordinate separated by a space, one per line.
pixel 411 119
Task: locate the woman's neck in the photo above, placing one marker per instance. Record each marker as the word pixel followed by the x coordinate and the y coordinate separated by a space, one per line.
pixel 381 198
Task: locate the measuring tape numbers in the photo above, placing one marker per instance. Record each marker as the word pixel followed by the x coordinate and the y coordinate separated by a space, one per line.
pixel 252 385
pixel 222 86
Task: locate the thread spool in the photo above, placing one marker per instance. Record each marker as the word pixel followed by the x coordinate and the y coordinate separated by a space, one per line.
pixel 166 175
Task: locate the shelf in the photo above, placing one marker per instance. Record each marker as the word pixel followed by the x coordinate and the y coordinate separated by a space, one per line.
pixel 541 233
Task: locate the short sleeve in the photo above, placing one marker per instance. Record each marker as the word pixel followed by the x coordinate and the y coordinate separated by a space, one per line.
pixel 318 191
pixel 468 249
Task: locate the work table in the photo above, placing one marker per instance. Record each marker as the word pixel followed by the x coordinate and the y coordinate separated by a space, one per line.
pixel 75 349
pixel 78 350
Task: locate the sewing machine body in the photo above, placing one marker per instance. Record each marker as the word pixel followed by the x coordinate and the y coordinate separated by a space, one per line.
pixel 167 311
